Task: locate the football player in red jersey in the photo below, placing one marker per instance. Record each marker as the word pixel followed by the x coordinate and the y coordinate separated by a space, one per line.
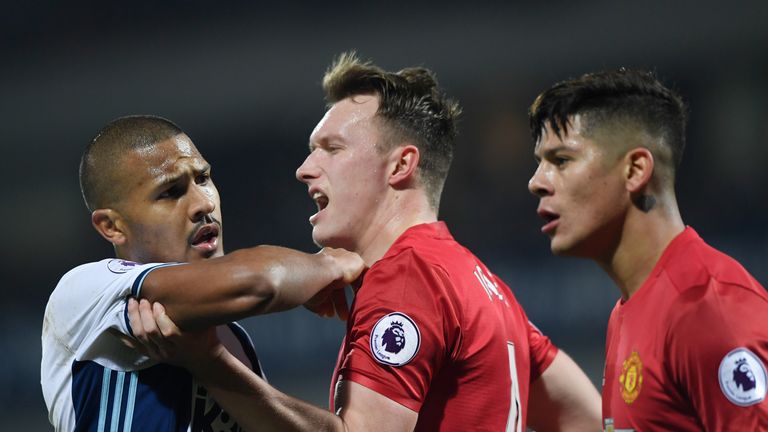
pixel 687 342
pixel 435 341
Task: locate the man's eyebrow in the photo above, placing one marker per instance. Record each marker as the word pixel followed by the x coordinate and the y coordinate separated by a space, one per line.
pixel 539 154
pixel 169 179
pixel 552 150
pixel 325 140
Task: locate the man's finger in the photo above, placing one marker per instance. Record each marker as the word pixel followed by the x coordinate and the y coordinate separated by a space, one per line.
pixel 339 300
pixel 154 337
pixel 142 342
pixel 322 309
pixel 164 323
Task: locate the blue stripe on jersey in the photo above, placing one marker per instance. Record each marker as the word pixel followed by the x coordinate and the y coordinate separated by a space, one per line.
pixel 136 287
pixel 156 399
pixel 159 398
pixel 136 290
pixel 118 400
pixel 131 402
pixel 125 317
pixel 104 399
pixel 248 347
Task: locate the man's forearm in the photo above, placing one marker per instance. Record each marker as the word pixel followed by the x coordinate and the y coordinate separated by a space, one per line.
pixel 246 282
pixel 255 404
pixel 563 399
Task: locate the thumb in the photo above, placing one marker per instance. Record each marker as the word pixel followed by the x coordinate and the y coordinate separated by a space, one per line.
pixel 164 323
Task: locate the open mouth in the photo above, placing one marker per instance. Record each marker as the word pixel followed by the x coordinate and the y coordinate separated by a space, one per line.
pixel 321 200
pixel 205 237
pixel 551 220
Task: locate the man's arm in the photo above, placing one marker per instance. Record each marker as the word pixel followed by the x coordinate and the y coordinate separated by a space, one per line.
pixel 716 354
pixel 563 399
pixel 255 404
pixel 258 406
pixel 248 282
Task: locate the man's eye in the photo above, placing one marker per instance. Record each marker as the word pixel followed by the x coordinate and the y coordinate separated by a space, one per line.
pixel 331 149
pixel 203 178
pixel 173 192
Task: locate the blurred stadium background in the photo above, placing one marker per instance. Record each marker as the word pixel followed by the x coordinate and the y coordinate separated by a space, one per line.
pixel 243 79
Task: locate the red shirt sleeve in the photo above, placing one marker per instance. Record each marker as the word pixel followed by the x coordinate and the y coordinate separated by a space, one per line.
pixel 717 352
pixel 543 351
pixel 395 291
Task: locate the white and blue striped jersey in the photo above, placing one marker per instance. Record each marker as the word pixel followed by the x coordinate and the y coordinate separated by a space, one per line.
pixel 93 381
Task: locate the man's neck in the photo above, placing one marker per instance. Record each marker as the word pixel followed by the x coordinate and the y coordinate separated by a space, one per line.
pixel 644 238
pixel 395 219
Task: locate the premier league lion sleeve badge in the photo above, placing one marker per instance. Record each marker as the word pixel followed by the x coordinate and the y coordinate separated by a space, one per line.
pixel 743 377
pixel 395 339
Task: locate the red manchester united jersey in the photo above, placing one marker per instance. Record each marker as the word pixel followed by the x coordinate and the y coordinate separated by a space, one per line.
pixel 434 330
pixel 687 352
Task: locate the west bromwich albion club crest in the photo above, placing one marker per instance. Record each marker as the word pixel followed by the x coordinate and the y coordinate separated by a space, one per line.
pixel 631 378
pixel 395 339
pixel 742 377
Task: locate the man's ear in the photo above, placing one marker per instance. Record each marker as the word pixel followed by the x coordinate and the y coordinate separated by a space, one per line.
pixel 109 224
pixel 639 169
pixel 405 160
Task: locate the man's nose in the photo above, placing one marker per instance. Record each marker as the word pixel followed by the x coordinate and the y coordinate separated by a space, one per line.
pixel 204 202
pixel 307 170
pixel 538 185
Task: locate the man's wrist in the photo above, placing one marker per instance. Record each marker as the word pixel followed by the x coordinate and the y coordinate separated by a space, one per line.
pixel 330 263
pixel 204 366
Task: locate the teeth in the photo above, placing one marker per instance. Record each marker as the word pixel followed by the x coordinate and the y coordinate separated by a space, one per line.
pixel 320 199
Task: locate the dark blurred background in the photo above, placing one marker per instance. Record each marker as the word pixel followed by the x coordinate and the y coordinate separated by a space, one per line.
pixel 243 80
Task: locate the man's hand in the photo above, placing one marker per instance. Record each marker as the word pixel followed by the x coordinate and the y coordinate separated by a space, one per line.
pixel 350 264
pixel 329 302
pixel 163 341
pixel 332 300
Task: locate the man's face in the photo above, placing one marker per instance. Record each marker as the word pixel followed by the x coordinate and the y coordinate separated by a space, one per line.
pixel 582 197
pixel 346 175
pixel 170 208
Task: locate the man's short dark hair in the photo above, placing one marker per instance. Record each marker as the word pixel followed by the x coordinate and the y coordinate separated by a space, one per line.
pixel 102 157
pixel 611 98
pixel 412 107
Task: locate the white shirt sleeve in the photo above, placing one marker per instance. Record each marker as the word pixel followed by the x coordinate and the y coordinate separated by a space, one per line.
pixel 87 312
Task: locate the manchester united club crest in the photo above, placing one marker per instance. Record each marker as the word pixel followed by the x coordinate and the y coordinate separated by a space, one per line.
pixel 631 378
